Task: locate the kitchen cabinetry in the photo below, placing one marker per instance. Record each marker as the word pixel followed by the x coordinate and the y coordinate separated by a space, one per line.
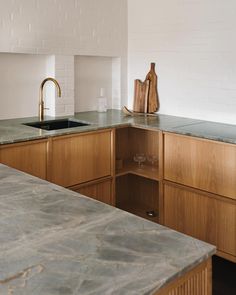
pixel 137 187
pixel 29 157
pixel 200 191
pixel 197 281
pixel 75 159
pixel 100 190
pixel 69 161
pixel 203 164
pixel 203 216
pixel 138 195
pixel 189 186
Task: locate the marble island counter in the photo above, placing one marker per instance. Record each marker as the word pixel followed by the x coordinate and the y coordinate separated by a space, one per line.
pixel 13 130
pixel 54 241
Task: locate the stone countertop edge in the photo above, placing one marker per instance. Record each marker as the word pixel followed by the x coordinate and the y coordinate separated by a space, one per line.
pixel 13 130
pixel 55 241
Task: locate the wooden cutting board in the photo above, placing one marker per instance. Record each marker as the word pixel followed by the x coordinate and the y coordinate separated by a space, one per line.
pixel 146 98
pixel 153 99
pixel 141 91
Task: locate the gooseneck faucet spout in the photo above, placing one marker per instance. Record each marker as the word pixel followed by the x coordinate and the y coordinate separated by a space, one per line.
pixel 41 100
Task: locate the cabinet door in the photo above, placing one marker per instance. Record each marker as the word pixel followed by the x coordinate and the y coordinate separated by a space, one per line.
pixel 101 191
pixel 29 157
pixel 226 227
pixel 202 164
pixel 80 158
pixel 203 217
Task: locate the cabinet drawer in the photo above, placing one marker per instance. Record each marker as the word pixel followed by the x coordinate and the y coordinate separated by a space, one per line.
pixel 29 157
pixel 201 216
pixel 202 164
pixel 80 158
pixel 101 191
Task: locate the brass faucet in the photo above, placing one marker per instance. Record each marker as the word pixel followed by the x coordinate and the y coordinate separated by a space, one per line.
pixel 41 101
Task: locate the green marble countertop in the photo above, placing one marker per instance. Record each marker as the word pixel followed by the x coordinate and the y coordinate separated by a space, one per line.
pixel 57 242
pixel 13 130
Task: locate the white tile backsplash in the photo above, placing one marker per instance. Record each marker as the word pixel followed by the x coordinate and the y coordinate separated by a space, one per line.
pixel 63 29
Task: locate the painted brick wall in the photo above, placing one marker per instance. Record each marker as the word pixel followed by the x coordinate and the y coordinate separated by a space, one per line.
pixel 193 44
pixel 63 26
pixel 66 27
pixel 64 73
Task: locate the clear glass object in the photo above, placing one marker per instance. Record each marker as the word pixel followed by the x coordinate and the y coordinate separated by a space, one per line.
pixel 101 102
pixel 140 158
pixel 152 159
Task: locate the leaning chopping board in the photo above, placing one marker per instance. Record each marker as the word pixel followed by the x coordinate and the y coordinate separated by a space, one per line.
pixel 146 98
pixel 153 99
pixel 141 91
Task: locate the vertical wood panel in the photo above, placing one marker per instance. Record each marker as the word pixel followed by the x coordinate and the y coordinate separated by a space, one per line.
pixel 195 282
pixel 201 216
pixel 226 227
pixel 80 158
pixel 101 191
pixel 29 157
pixel 202 164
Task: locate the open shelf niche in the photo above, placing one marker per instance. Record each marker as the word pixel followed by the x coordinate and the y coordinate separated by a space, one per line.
pixel 130 141
pixel 137 188
pixel 93 73
pixel 138 195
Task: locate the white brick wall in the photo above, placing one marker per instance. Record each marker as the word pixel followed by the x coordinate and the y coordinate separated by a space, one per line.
pixel 64 74
pixel 61 67
pixel 193 44
pixel 65 28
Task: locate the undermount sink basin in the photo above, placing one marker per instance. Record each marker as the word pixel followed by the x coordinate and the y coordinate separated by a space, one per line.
pixel 56 124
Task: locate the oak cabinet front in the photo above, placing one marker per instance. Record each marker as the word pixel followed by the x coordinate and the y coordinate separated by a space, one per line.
pixel 80 158
pixel 203 216
pixel 101 191
pixel 199 190
pixel 29 157
pixel 203 164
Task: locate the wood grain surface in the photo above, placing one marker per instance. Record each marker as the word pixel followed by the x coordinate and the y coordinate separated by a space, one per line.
pixel 197 281
pixel 29 157
pixel 100 190
pixel 80 158
pixel 200 163
pixel 153 99
pixel 141 90
pixel 146 98
pixel 203 216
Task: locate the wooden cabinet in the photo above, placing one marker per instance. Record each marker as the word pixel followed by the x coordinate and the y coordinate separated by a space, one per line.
pixel 202 215
pixel 80 158
pixel 68 161
pixel 203 164
pixel 138 195
pixel 101 191
pixel 30 157
pixel 200 198
pixel 197 281
pixel 137 187
pixel 131 141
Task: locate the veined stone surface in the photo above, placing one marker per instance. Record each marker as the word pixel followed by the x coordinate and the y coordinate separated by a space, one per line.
pixel 57 242
pixel 13 131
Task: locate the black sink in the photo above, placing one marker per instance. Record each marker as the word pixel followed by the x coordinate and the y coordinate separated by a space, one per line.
pixel 56 124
